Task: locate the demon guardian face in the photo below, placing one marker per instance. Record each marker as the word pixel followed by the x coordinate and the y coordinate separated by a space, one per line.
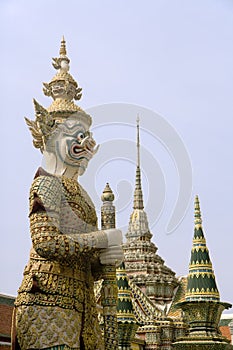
pixel 69 148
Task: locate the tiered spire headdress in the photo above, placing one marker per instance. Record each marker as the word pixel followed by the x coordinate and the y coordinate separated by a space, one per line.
pixel 64 90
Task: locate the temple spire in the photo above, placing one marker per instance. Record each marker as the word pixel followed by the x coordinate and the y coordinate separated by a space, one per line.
pixel 197 214
pixel 138 142
pixel 202 307
pixel 126 320
pixel 201 278
pixel 138 196
pixel 138 223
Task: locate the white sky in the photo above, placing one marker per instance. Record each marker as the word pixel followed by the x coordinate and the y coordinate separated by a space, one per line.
pixel 172 57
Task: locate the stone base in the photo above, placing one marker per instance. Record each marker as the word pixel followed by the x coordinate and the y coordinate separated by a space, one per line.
pixel 201 345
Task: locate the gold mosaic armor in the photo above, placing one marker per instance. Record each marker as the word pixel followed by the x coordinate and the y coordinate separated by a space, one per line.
pixel 55 303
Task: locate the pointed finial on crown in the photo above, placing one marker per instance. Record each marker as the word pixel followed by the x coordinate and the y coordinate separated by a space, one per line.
pixel 63 47
pixel 197 213
pixel 62 62
pixel 63 88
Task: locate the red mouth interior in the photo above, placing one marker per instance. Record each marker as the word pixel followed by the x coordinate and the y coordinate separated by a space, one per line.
pixel 77 149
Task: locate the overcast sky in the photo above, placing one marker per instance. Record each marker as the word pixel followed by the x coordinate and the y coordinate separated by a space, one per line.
pixel 169 61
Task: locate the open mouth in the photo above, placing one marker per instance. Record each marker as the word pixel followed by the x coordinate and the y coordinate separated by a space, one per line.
pixel 80 151
pixel 76 149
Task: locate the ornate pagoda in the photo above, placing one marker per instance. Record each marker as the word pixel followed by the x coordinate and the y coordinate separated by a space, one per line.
pixel 146 287
pixel 202 307
pixel 144 266
pixel 152 284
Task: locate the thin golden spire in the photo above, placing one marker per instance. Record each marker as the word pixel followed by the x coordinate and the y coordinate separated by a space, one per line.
pixel 138 196
pixel 138 141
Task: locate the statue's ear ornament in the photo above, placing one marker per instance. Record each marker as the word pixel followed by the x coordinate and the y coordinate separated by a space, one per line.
pixel 56 63
pixel 78 94
pixel 36 133
pixel 42 127
pixel 47 89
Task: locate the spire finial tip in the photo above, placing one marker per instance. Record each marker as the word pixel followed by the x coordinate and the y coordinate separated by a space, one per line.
pixel 197 212
pixel 107 195
pixel 63 47
pixel 138 142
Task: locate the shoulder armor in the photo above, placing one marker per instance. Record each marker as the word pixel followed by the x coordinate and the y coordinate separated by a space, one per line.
pixel 48 190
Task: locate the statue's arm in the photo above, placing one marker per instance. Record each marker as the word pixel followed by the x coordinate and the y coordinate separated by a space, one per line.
pixel 48 241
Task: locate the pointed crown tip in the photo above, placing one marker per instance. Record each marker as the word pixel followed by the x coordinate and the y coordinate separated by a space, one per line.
pixel 63 47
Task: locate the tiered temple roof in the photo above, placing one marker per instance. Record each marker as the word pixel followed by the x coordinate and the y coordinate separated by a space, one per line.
pixel 143 265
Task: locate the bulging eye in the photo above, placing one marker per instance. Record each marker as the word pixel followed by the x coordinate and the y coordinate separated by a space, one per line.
pixel 80 136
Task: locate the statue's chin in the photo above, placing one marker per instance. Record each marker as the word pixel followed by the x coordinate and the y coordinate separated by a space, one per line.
pixel 81 171
pixel 82 168
pixel 69 167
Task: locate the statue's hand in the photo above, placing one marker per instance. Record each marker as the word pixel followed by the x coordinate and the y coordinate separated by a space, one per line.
pixel 114 237
pixel 112 256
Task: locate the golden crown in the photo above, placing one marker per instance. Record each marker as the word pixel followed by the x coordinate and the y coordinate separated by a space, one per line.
pixel 63 89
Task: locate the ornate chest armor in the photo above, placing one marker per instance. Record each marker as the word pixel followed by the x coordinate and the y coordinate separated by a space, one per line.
pixel 64 258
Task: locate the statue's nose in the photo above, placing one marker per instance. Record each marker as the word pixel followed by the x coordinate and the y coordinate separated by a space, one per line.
pixel 88 142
